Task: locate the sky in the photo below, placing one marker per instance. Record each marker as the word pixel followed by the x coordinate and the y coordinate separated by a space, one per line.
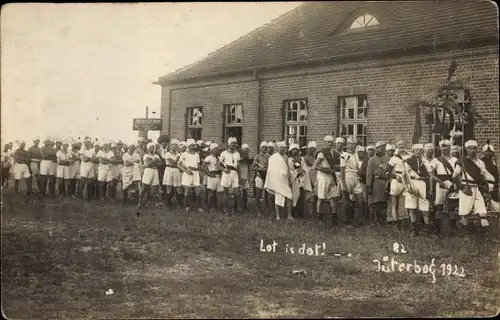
pixel 70 70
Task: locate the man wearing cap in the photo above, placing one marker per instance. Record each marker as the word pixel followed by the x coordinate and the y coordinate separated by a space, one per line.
pixel 130 172
pixel 278 181
pixel 446 197
pixel 244 174
pixel 150 178
pixel 116 169
pixel 213 174
pixel 470 178
pixel 455 151
pixel 172 177
pixel 259 166
pixel 377 179
pixel 300 181
pixel 418 175
pixel 35 157
pixel 396 169
pixel 309 159
pixel 87 155
pixel 74 167
pixel 229 160
pixel 364 156
pixel 189 164
pixel 21 170
pixel 62 172
pixel 6 165
pixel 351 184
pixel 47 170
pixel 105 156
pixel 163 140
pixel 492 177
pixel 326 164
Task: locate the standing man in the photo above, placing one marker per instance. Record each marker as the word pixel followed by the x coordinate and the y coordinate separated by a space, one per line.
pixel 150 178
pixel 172 176
pixel 105 156
pixel 309 159
pixel 259 166
pixel 47 170
pixel 162 152
pixel 326 162
pixel 396 170
pixel 21 170
pixel 74 168
pixel 87 154
pixel 213 173
pixel 278 181
pixel 492 176
pixel 244 174
pixel 446 196
pixel 6 165
pixel 36 158
pixel 130 159
pixel 351 183
pixel 116 168
pixel 470 177
pixel 189 163
pixel 376 182
pixel 62 171
pixel 229 160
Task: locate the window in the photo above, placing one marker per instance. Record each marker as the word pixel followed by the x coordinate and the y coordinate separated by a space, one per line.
pixel 296 122
pixel 365 20
pixel 233 124
pixel 353 116
pixel 194 123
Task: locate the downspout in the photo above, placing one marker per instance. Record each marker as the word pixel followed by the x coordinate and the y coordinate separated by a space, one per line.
pixel 259 130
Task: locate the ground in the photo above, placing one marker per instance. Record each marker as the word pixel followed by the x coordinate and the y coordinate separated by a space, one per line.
pixel 59 259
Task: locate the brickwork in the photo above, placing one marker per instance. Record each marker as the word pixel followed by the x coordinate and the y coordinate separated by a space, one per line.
pixel 391 85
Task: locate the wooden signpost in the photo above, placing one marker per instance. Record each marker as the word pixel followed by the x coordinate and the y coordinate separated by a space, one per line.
pixel 143 125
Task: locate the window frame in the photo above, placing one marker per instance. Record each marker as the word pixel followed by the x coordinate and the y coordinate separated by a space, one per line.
pixel 231 126
pixel 364 26
pixel 298 123
pixel 191 128
pixel 355 122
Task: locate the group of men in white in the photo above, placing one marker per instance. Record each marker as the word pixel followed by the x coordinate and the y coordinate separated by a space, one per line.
pixel 355 180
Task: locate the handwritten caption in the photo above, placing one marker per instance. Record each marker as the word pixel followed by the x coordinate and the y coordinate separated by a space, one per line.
pixel 316 250
pixel 447 270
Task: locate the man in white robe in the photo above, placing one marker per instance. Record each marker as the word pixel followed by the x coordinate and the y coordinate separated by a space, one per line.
pixel 278 181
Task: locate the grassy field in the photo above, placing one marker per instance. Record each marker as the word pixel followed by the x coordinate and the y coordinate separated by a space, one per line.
pixel 59 258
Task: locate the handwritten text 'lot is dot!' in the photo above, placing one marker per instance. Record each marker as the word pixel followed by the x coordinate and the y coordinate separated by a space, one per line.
pixel 316 250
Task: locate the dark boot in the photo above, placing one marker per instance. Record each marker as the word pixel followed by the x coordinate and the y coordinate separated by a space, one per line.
pixel 415 228
pixel 125 196
pixel 52 185
pixel 29 186
pixel 61 187
pixel 244 198
pixel 43 184
pixel 16 186
pixel 81 187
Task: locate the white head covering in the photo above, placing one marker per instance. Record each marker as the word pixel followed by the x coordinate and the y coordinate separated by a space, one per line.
pixel 370 147
pixel 352 140
pixel 312 144
pixel 150 144
pixel 174 141
pixel 390 147
pixel 199 143
pixel 65 141
pixel 380 144
pixel 88 139
pixel 140 139
pixel 361 148
pixel 444 143
pixel 328 138
pixel 231 140
pixel 455 148
pixel 213 146
pixel 263 144
pixel 339 140
pixel 113 145
pixel 190 142
pixel 36 138
pixel 293 146
pixel 182 144
pixel 400 142
pixel 429 146
pixel 245 146
pixel 488 146
pixel 281 144
pixel 417 146
pixel 471 143
pixel 47 139
pixel 271 144
pixel 57 139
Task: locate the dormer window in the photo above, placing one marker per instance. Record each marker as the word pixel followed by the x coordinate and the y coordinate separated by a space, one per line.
pixel 364 20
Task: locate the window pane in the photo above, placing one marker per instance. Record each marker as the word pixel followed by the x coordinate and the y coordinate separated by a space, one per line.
pixel 303 111
pixel 302 141
pixel 343 130
pixel 292 130
pixel 303 131
pixel 196 117
pixel 350 129
pixel 360 130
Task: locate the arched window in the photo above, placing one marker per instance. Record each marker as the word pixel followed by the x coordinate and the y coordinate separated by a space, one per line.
pixel 364 20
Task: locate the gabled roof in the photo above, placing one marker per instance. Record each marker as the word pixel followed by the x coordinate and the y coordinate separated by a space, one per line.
pixel 318 30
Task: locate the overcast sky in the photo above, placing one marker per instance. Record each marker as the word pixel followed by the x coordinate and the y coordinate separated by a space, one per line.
pixel 86 69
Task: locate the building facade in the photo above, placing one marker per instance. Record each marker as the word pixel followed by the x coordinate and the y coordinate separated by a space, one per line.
pixel 347 68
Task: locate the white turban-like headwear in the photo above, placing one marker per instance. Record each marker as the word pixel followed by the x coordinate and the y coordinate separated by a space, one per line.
pixel 199 143
pixel 444 143
pixel 370 147
pixel 88 139
pixel 455 148
pixel 231 140
pixel 174 141
pixel 293 146
pixel 361 148
pixel 182 144
pixel 339 140
pixel 282 144
pixel 328 138
pixel 150 144
pixel 390 147
pixel 471 143
pixel 263 144
pixel 429 146
pixel 36 138
pixel 271 144
pixel 380 144
pixel 312 144
pixel 244 146
pixel 213 146
pixel 352 140
pixel 417 146
pixel 190 142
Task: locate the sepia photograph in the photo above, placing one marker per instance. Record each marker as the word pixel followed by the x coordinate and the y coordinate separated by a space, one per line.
pixel 237 160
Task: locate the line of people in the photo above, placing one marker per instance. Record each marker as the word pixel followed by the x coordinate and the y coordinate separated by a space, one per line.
pixel 356 181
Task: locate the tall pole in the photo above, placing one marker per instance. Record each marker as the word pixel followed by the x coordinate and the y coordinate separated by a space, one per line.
pixel 144 133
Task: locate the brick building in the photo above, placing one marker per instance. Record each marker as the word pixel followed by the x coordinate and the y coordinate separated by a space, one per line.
pixel 350 68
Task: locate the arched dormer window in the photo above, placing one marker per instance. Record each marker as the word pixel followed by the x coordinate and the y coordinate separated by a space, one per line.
pixel 364 20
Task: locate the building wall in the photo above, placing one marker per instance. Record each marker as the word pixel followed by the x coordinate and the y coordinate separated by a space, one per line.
pixel 392 86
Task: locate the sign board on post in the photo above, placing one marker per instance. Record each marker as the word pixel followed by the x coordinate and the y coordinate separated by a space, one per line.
pixel 147 124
